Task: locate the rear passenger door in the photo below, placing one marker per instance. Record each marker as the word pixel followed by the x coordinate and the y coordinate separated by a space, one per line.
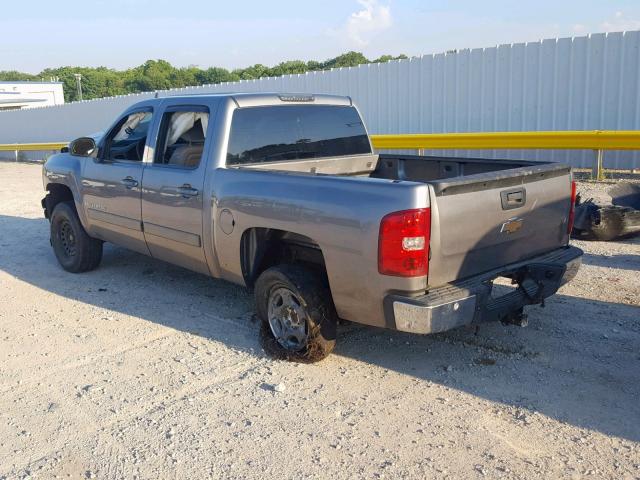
pixel 172 188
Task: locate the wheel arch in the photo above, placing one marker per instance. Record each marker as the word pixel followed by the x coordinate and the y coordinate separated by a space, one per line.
pixel 57 192
pixel 261 248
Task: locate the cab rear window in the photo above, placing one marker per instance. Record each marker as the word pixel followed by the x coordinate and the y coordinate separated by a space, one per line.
pixel 295 132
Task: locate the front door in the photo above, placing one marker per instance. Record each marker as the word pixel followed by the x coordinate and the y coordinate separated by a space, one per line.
pixel 172 194
pixel 112 183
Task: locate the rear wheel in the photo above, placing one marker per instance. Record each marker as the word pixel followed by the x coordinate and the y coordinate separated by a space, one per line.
pixel 75 250
pixel 297 314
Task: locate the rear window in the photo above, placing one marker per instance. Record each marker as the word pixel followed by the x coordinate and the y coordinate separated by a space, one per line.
pixel 273 134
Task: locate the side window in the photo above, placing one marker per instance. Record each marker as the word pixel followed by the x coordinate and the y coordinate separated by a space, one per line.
pixel 181 138
pixel 127 140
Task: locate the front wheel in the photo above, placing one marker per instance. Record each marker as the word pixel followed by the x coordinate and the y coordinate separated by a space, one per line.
pixel 75 250
pixel 297 313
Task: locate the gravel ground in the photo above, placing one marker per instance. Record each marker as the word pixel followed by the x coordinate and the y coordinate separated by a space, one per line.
pixel 144 370
pixel 599 191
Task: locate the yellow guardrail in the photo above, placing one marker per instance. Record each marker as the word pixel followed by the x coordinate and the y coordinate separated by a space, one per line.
pixel 596 140
pixel 563 140
pixel 31 147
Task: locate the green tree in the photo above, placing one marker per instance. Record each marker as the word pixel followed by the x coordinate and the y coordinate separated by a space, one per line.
pixel 256 71
pixel 349 59
pixel 153 75
pixel 288 68
pixel 14 76
pixel 313 66
pixel 215 75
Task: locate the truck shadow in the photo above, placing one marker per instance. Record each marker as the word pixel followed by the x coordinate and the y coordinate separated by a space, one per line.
pixel 578 362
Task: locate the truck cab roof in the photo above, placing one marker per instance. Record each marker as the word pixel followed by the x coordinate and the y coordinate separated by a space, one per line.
pixel 257 99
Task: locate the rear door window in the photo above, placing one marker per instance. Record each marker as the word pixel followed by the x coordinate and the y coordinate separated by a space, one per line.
pixel 182 136
pixel 288 132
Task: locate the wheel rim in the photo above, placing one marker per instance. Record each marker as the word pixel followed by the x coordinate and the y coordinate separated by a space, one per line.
pixel 67 239
pixel 288 319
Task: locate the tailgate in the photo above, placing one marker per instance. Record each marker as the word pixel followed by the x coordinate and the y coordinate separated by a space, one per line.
pixel 482 222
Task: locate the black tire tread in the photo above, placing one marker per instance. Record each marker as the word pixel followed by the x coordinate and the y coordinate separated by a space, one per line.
pixel 313 290
pixel 89 248
pixel 609 226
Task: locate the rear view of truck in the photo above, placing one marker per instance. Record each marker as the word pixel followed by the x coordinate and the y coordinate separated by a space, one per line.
pixel 412 243
pixel 487 219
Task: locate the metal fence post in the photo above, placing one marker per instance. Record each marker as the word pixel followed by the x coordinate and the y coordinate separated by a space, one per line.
pixel 597 173
pixel 16 152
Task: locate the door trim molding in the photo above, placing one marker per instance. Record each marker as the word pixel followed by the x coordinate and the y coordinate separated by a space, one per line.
pixel 179 236
pixel 114 219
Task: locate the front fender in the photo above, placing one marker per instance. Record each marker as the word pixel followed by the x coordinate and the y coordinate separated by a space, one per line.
pixel 65 169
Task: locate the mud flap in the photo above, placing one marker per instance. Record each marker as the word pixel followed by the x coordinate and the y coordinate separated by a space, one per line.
pixel 44 203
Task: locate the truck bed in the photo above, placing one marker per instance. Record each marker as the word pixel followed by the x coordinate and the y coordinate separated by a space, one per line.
pixel 484 213
pixel 442 172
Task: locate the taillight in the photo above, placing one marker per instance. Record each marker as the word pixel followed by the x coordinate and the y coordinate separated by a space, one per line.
pixel 403 245
pixel 572 208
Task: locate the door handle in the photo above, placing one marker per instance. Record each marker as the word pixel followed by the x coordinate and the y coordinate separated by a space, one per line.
pixel 129 182
pixel 187 191
pixel 515 198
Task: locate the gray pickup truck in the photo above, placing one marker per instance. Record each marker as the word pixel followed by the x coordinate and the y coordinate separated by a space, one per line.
pixel 285 195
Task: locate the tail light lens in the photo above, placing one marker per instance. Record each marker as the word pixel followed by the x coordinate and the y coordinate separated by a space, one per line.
pixel 403 245
pixel 572 208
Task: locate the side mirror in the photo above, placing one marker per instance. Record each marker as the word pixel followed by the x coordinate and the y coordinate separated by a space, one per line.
pixel 83 147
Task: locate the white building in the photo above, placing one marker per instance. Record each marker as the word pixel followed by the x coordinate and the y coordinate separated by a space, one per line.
pixel 21 95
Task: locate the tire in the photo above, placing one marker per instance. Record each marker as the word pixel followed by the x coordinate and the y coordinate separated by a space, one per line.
pixel 607 224
pixel 75 250
pixel 310 298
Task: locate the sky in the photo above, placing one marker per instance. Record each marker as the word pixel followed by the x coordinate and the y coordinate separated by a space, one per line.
pixel 238 33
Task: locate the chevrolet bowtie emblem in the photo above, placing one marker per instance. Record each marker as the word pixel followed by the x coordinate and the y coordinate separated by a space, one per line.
pixel 511 226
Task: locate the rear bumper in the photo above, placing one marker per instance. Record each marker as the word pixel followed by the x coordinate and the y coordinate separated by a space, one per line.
pixel 469 301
